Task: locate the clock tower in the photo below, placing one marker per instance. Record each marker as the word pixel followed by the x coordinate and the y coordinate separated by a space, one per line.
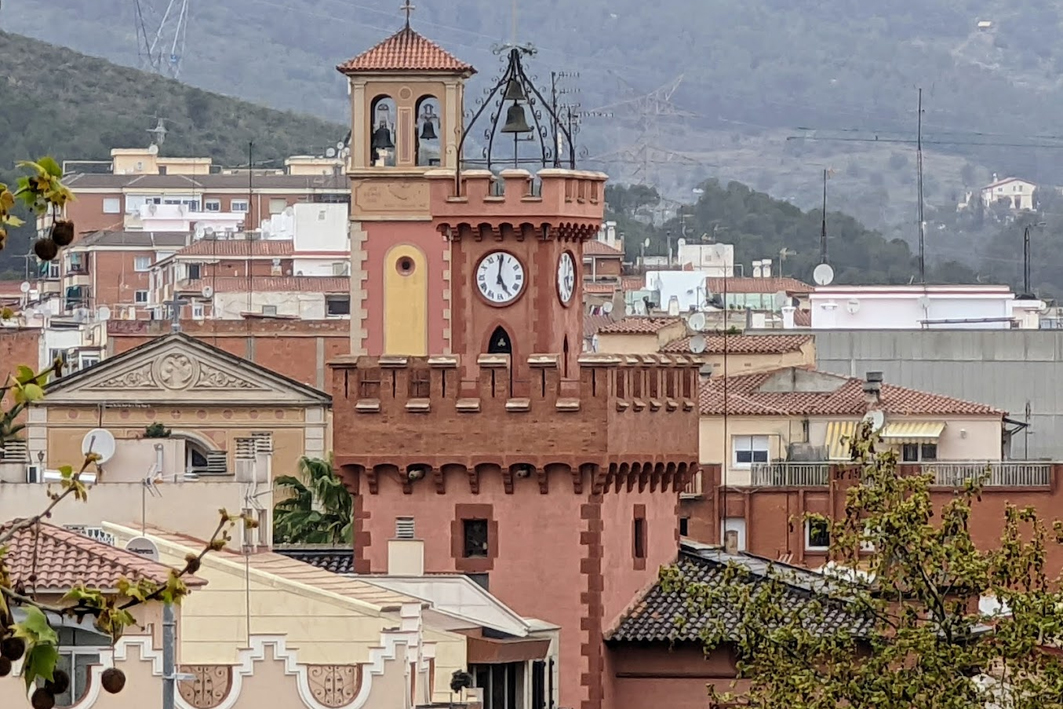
pixel 550 475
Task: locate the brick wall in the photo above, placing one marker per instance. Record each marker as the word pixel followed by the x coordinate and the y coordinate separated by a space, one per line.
pixel 18 346
pixel 299 349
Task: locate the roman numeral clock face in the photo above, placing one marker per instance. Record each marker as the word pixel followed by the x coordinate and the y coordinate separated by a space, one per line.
pixel 500 278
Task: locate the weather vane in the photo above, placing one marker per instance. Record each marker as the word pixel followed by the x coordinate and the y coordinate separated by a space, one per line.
pixel 408 9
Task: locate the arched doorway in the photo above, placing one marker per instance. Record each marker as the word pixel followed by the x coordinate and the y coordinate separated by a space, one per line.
pixel 500 342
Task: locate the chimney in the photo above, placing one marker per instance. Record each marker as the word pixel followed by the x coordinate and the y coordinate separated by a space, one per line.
pixel 788 317
pixel 756 269
pixel 873 388
pixel 765 268
pixel 405 553
pixel 730 541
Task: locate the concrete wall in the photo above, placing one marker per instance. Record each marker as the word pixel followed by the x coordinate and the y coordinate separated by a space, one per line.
pixel 1008 369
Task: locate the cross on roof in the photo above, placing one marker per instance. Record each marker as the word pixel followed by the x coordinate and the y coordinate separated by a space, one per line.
pixel 407 8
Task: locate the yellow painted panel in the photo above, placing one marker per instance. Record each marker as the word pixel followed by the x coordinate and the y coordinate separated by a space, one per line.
pixel 912 431
pixel 405 302
pixel 839 437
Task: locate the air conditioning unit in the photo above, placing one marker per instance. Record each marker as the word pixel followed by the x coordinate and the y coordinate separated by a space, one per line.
pixel 34 473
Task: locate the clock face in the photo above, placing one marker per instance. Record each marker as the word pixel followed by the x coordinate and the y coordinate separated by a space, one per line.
pixel 500 278
pixel 566 277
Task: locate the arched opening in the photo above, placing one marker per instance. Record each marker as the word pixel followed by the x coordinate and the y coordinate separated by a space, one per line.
pixel 564 357
pixel 500 342
pixel 429 129
pixel 382 116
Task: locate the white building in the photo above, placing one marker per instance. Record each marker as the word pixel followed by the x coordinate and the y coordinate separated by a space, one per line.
pixel 320 242
pixel 716 260
pixel 1018 193
pixel 922 307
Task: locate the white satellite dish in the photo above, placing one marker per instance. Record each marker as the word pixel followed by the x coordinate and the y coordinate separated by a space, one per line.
pixel 207 291
pixel 340 145
pixel 782 299
pixel 103 314
pixel 696 321
pixel 607 308
pixel 697 344
pixel 853 306
pixel 153 149
pixel 99 441
pixel 24 287
pixel 823 275
pixel 924 302
pixel 673 306
pixel 330 153
pixel 876 418
pixel 209 232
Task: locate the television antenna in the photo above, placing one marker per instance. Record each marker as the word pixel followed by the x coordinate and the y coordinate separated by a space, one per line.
pixel 161 29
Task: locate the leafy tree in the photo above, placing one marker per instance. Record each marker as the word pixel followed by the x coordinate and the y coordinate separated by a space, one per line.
pixel 318 509
pixel 914 572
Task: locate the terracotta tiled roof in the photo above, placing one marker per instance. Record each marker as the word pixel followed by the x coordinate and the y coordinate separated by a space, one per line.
pixel 638 326
pixel 273 284
pixel 666 616
pixel 338 561
pixel 406 50
pixel 600 288
pixel 632 283
pixel 65 559
pixel 592 324
pixel 745 398
pixel 238 248
pixel 757 285
pixel 743 344
pixel 600 248
pixel 803 318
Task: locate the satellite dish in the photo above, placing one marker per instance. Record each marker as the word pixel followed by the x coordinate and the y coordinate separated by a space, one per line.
pixel 81 314
pixel 697 344
pixel 207 291
pixel 876 418
pixel 142 546
pixel 924 302
pixel 103 313
pixel 153 149
pixel 208 232
pixel 330 153
pixel 853 306
pixel 99 441
pixel 696 321
pixel 673 306
pixel 823 275
pixel 24 287
pixel 340 145
pixel 607 308
pixel 782 299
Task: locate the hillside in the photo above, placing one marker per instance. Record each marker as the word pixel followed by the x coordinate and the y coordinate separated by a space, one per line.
pixel 754 72
pixel 72 106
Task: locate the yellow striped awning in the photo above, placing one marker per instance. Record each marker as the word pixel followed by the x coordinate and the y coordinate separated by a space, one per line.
pixel 912 431
pixel 839 438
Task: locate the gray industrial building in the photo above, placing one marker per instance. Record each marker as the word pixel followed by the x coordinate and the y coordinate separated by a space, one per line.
pixel 1020 371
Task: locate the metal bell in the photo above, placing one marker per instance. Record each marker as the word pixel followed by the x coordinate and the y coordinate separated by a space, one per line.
pixel 382 139
pixel 514 91
pixel 428 132
pixel 516 121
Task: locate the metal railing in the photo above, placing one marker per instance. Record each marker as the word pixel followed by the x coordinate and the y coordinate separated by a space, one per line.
pixel 790 474
pixel 946 473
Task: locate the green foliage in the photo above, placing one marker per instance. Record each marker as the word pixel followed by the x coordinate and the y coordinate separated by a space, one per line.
pixel 157 430
pixel 318 508
pixel 912 568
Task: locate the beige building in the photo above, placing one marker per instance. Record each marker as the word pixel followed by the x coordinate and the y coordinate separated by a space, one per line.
pixel 745 354
pixel 227 427
pixel 639 335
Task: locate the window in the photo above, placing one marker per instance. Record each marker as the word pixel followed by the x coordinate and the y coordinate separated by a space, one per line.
pixel 639 533
pixel 79 650
pixel 817 535
pixel 142 263
pixel 474 533
pixel 501 684
pixel 277 205
pixel 684 526
pixel 212 205
pixel 193 271
pixel 140 297
pixel 749 450
pixel 238 205
pixel 197 311
pixel 919 452
pixel 481 580
pixel 88 360
pixel 112 205
pixel 336 305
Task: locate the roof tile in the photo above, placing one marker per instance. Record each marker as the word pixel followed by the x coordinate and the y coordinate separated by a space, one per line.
pixel 600 248
pixel 406 50
pixel 65 559
pixel 273 284
pixel 742 344
pixel 757 285
pixel 638 326
pixel 745 398
pixel 239 247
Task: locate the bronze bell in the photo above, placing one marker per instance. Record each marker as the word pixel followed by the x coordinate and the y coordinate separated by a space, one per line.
pixel 382 139
pixel 516 121
pixel 428 132
pixel 514 91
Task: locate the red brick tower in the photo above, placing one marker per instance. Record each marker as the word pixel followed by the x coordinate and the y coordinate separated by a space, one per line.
pixel 552 475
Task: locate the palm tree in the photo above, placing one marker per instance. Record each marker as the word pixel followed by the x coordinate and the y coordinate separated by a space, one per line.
pixel 318 508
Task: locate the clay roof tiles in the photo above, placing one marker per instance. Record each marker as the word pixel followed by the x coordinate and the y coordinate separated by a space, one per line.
pixel 600 248
pixel 745 398
pixel 638 326
pixel 61 559
pixel 238 247
pixel 273 284
pixel 406 50
pixel 772 284
pixel 743 344
pixel 661 616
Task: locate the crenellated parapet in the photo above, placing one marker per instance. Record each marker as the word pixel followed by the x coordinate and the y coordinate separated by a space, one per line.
pixel 636 414
pixel 567 205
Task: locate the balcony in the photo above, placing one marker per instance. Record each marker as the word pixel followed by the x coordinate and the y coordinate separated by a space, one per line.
pixel 991 474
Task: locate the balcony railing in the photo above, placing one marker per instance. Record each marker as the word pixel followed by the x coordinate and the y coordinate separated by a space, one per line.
pixel 946 473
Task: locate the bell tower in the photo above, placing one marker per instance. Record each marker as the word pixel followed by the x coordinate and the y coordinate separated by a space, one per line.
pixel 406 95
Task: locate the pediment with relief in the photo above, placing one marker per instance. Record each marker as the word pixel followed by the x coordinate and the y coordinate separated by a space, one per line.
pixel 179 367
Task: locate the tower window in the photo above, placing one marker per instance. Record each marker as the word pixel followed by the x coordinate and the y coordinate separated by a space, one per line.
pixel 382 141
pixel 429 126
pixel 405 266
pixel 639 531
pixel 474 533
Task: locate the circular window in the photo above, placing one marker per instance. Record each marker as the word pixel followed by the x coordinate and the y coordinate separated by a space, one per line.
pixel 405 265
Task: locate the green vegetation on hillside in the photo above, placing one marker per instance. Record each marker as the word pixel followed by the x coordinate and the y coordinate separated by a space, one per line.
pixel 61 103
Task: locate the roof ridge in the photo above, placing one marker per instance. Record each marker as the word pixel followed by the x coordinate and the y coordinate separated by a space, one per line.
pixel 406 50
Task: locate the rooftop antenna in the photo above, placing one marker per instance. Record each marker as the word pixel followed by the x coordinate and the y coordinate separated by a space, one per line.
pixel 158 132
